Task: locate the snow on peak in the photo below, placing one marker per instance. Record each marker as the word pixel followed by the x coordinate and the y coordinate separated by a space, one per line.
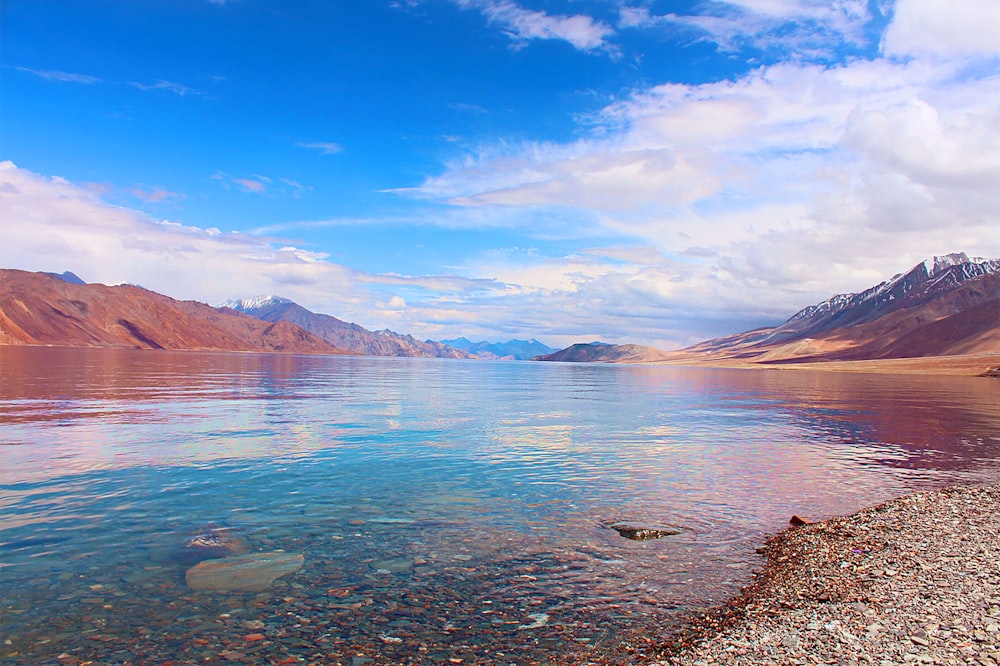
pixel 929 272
pixel 937 264
pixel 248 304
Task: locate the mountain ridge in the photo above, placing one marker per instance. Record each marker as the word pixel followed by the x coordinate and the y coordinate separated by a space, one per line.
pixel 519 350
pixel 601 352
pixel 348 336
pixel 47 309
pixel 948 305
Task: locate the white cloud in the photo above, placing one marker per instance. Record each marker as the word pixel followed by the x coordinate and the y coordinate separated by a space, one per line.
pixel 52 223
pixel 522 25
pixel 251 184
pixel 465 107
pixel 295 188
pixel 263 185
pixel 60 77
pixel 324 147
pixel 178 89
pixel 394 304
pixel 789 183
pixel 805 28
pixel 955 28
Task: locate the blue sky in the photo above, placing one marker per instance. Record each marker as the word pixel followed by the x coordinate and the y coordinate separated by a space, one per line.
pixel 642 171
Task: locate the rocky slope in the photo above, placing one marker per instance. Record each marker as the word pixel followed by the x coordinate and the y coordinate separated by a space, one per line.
pixel 45 309
pixel 350 337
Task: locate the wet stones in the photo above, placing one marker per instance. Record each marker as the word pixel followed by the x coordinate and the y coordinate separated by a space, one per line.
pixel 643 531
pixel 213 543
pixel 253 572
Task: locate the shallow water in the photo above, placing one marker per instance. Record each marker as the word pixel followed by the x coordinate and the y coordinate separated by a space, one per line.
pixel 446 509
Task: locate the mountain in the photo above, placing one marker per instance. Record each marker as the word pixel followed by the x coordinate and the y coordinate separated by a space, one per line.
pixel 593 352
pixel 948 305
pixel 520 350
pixel 68 276
pixel 46 309
pixel 350 337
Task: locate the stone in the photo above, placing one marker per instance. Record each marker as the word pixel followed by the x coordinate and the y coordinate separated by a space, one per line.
pixel 799 521
pixel 395 566
pixel 253 572
pixel 213 543
pixel 642 532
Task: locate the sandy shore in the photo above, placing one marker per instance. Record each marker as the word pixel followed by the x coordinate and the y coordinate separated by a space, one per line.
pixel 969 365
pixel 913 581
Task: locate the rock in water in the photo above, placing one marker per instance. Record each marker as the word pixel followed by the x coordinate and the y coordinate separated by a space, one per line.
pixel 213 543
pixel 641 532
pixel 253 572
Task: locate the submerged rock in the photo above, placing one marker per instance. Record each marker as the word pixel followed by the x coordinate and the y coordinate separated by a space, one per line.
pixel 213 543
pixel 253 572
pixel 396 566
pixel 643 531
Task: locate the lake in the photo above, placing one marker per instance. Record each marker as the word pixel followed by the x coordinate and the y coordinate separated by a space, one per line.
pixel 445 510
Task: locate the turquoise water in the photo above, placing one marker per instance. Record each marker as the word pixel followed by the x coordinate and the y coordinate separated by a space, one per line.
pixel 445 509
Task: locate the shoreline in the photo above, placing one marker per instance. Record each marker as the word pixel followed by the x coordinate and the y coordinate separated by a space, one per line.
pixel 912 580
pixel 966 365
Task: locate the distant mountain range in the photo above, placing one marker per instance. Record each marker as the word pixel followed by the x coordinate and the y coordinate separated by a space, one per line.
pixel 61 309
pixel 351 337
pixel 948 305
pixel 50 309
pixel 944 307
pixel 520 350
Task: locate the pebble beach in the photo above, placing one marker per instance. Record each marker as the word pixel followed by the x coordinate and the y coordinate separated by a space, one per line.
pixel 915 580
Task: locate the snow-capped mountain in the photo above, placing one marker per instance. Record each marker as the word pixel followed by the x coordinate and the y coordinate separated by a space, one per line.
pixel 944 306
pixel 922 282
pixel 247 305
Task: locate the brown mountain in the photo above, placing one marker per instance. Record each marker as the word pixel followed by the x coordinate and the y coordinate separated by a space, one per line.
pixel 46 309
pixel 351 337
pixel 945 307
pixel 942 307
pixel 599 352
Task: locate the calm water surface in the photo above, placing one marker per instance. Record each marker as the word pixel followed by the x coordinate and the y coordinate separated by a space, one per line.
pixel 446 509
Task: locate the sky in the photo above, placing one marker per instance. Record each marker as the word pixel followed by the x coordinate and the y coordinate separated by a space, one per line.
pixel 656 172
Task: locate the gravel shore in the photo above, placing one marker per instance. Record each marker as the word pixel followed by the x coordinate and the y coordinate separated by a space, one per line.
pixel 913 581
